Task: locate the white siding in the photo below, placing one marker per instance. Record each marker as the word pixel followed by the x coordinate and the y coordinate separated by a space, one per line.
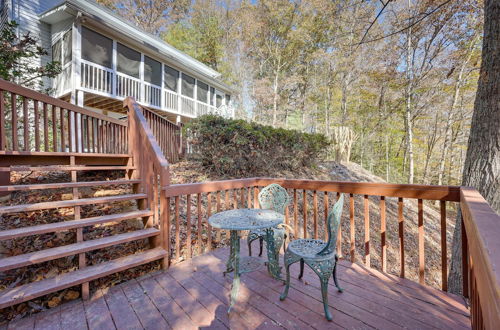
pixel 26 12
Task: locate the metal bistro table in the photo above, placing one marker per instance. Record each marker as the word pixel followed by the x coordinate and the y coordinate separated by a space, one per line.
pixel 248 219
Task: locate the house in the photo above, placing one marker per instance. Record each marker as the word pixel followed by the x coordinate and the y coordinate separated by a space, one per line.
pixel 105 59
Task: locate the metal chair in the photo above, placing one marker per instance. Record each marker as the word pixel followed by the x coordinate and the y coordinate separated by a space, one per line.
pixel 319 255
pixel 273 197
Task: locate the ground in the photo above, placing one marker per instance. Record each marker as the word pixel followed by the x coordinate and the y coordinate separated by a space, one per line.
pixel 188 172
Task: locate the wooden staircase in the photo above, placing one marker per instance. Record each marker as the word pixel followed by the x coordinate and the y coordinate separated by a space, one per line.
pixel 73 141
pixel 84 274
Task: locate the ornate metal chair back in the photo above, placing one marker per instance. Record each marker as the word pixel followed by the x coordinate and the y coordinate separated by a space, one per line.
pixel 274 197
pixel 333 224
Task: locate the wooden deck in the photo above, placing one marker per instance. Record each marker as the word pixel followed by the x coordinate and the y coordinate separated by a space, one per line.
pixel 194 294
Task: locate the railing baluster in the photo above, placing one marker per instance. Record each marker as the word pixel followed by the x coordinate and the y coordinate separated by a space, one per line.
pixel 3 138
pixel 54 129
pixel 26 124
pixel 383 252
pixel 61 114
pixel 37 126
pixel 177 229
pixel 421 247
pixel 366 203
pixel 444 250
pixel 401 236
pixel 339 235
pixel 242 197
pixel 325 223
pixel 70 131
pixel 249 197
pixel 256 197
pixel 199 225
pixel 304 213
pixel 352 228
pixel 218 209
pixel 15 146
pixel 315 213
pixel 188 224
pixel 295 214
pixel 45 127
pixel 209 213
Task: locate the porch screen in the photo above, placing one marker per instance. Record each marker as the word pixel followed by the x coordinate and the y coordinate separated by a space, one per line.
pixel 212 92
pixel 128 60
pixel 152 71
pixel 228 99
pixel 96 48
pixel 56 51
pixel 170 78
pixel 187 85
pixel 218 100
pixel 67 46
pixel 202 92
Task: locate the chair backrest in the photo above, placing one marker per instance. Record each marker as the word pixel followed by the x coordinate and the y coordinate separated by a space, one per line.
pixel 333 227
pixel 274 197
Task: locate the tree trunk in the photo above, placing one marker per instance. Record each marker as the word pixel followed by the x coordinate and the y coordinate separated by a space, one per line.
pixel 408 115
pixel 482 162
pixel 275 98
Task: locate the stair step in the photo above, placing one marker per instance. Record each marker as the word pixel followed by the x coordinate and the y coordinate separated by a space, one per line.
pixel 69 203
pixel 34 290
pixel 71 224
pixel 62 154
pixel 24 187
pixel 64 168
pixel 72 249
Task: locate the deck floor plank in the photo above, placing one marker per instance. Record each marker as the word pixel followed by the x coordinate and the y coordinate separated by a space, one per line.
pixel 149 316
pixel 122 313
pixel 194 294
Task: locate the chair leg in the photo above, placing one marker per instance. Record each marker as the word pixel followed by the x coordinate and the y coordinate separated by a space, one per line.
pixel 324 293
pixel 249 243
pixel 301 268
pixel 284 243
pixel 287 283
pixel 261 240
pixel 335 275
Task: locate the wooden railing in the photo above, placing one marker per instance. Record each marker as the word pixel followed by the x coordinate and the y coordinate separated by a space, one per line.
pixel 31 121
pixel 168 135
pixel 188 207
pixel 152 169
pixel 481 259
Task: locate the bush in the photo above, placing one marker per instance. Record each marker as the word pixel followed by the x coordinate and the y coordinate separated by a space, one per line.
pixel 231 148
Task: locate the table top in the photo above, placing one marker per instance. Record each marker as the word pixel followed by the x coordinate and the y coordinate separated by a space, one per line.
pixel 246 219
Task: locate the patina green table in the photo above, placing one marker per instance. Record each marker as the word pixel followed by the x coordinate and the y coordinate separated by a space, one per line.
pixel 249 219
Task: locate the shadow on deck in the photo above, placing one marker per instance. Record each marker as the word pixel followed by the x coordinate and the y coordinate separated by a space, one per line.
pixel 194 294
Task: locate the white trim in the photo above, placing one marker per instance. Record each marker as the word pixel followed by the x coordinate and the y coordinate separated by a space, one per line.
pixel 113 65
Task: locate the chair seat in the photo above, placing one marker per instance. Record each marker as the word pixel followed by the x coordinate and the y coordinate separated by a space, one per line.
pixel 307 248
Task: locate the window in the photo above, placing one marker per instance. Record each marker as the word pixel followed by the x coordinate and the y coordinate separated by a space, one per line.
pixel 170 77
pixel 57 51
pixel 96 48
pixel 152 71
pixel 128 61
pixel 212 93
pixel 202 91
pixel 228 99
pixel 67 47
pixel 187 85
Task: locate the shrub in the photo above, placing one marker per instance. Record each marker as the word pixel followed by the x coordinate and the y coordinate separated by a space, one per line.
pixel 229 147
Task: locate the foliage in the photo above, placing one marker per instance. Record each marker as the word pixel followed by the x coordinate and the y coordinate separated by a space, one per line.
pixel 234 148
pixel 18 57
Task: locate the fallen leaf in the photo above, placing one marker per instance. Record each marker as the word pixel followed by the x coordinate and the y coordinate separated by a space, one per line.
pixel 71 295
pixel 54 302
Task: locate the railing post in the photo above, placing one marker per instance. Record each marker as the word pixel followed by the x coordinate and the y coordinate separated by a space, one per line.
pixel 465 261
pixel 114 87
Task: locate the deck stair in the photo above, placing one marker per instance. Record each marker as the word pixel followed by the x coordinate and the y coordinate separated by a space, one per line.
pixel 82 276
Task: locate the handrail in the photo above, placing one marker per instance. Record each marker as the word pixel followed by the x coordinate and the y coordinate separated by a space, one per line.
pixel 482 258
pixel 152 170
pixel 168 135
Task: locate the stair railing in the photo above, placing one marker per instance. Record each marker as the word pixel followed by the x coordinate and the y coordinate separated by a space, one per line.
pixel 151 167
pixel 34 122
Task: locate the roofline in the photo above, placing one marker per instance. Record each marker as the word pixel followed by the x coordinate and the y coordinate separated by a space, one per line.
pixel 107 17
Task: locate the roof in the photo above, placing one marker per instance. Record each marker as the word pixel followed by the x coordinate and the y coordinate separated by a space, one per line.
pixel 107 17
